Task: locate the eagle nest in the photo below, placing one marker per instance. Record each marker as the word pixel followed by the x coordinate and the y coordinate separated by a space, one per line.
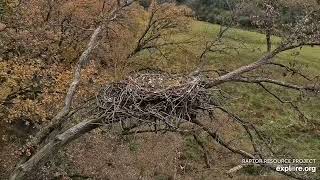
pixel 153 99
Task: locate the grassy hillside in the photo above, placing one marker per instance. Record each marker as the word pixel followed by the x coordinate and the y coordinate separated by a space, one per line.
pixel 302 136
pixel 254 45
pixel 279 120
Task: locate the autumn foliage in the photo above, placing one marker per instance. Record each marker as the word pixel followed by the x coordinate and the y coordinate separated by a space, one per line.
pixel 43 40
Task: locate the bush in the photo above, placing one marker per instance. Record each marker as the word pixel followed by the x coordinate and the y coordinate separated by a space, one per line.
pixel 245 21
pixel 2 7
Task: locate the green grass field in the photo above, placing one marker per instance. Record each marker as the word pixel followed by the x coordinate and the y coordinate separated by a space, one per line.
pixel 293 135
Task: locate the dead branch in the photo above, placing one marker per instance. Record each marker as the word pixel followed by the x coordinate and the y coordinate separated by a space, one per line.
pixel 163 21
pixel 268 58
pixel 248 126
pixel 211 46
pixel 294 106
pixel 52 146
pixel 27 163
pixel 234 169
pixel 292 70
pixel 60 117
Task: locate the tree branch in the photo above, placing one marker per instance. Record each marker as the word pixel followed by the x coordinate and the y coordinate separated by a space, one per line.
pixel 52 146
pixel 289 69
pixel 268 58
pixel 312 88
pixel 52 128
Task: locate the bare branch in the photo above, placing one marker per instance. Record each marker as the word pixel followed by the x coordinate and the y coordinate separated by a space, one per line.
pixel 58 119
pixel 268 58
pixel 52 146
pixel 289 69
pixel 295 107
pixel 53 127
pixel 312 88
pixel 163 21
pixel 243 153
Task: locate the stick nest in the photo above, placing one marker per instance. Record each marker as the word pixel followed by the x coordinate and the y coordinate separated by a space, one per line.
pixel 154 99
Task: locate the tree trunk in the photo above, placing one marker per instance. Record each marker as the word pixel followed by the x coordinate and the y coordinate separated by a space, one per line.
pixel 51 147
pixel 268 38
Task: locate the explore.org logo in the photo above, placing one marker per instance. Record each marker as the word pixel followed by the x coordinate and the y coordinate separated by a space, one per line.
pixel 296 169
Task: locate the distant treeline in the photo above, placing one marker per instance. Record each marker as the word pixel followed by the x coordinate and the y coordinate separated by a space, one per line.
pixel 214 11
pixel 221 11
